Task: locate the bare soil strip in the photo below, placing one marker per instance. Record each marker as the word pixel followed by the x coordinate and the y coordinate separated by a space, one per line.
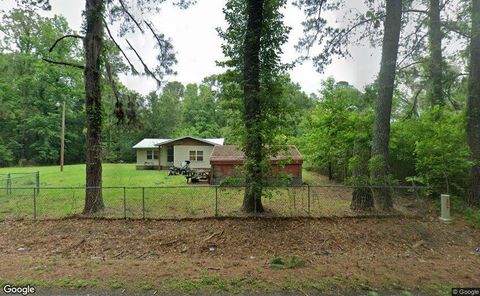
pixel 233 255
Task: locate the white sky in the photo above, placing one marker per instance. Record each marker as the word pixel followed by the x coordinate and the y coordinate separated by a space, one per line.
pixel 197 45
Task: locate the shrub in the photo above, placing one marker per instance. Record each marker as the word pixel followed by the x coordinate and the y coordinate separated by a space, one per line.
pixel 436 142
pixel 6 156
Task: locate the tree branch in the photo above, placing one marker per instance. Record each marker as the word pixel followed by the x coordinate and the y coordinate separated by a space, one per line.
pixel 64 63
pixel 409 65
pixel 156 36
pixel 414 48
pixel 132 67
pixel 415 10
pixel 124 8
pixel 318 29
pixel 153 32
pixel 111 81
pixel 147 70
pixel 414 110
pixel 63 37
pixel 336 40
pixel 452 27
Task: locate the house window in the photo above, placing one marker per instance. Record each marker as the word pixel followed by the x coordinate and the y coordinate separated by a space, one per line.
pixel 170 154
pixel 199 155
pixel 152 154
pixel 196 155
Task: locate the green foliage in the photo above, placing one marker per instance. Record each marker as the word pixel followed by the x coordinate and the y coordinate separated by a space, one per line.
pixel 199 111
pixel 274 35
pixel 6 156
pixel 30 89
pixel 472 215
pixel 330 130
pixel 232 181
pixel 436 143
pixel 429 149
pixel 259 72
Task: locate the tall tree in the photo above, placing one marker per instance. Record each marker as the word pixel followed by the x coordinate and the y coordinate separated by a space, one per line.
pixel 436 59
pixel 93 43
pixel 252 111
pixel 254 40
pixel 379 168
pixel 473 104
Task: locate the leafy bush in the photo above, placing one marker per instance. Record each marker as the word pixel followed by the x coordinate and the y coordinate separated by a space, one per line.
pixel 232 181
pixel 473 216
pixel 331 129
pixel 6 156
pixel 436 142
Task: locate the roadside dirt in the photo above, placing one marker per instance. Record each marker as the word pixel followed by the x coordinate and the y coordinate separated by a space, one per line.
pixel 348 253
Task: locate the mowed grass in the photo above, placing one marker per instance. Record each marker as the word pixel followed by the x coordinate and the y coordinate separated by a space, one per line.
pixel 113 175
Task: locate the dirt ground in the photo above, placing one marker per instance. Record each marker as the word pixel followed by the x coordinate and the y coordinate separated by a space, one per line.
pixel 233 255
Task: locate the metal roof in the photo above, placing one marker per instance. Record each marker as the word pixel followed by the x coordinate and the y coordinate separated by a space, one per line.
pixel 154 143
pixel 149 143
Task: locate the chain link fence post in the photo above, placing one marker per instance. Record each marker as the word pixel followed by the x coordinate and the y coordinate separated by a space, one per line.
pixel 308 194
pixel 9 184
pixel 255 200
pixel 37 181
pixel 216 201
pixel 143 202
pixel 34 204
pixel 124 202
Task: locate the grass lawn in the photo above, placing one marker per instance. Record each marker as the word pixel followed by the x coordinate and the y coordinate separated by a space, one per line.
pixel 113 175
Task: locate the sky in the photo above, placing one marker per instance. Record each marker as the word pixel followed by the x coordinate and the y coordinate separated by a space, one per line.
pixel 198 46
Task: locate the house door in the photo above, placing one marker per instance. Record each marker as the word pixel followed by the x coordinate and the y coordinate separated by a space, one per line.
pixel 170 155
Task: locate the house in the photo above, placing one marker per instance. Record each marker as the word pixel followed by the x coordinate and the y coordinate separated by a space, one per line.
pixel 164 153
pixel 226 161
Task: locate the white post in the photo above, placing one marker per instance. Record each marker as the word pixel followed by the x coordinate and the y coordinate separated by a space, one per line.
pixel 445 202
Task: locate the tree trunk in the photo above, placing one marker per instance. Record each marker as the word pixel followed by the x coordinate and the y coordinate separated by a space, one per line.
pixel 93 104
pixel 473 105
pixel 383 107
pixel 252 108
pixel 362 198
pixel 436 59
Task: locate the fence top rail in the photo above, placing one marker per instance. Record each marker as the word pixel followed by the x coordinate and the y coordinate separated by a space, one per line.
pixel 6 174
pixel 13 178
pixel 210 186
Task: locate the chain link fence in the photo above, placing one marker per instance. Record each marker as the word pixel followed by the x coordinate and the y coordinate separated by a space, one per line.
pixel 199 201
pixel 19 180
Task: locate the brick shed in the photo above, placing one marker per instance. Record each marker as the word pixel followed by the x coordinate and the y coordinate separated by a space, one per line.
pixel 226 161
